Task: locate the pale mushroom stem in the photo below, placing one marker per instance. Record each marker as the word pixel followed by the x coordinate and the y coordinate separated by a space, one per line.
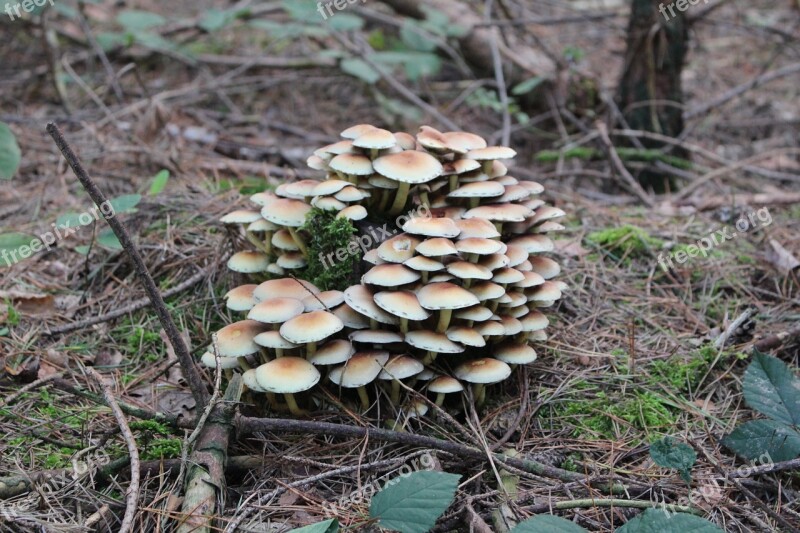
pixel 423 199
pixel 439 399
pixel 311 349
pixel 424 277
pixel 385 197
pixel 263 355
pixel 474 202
pixel 479 391
pixel 473 258
pixel 255 241
pixel 301 243
pixel 404 325
pixel 293 407
pixel 453 182
pixel 487 167
pixel 499 227
pixel 243 363
pixel 268 242
pixel 362 394
pixel 395 396
pixel 444 320
pixel 400 198
pixel 373 324
pixel 430 357
pixel 278 352
pixel 228 373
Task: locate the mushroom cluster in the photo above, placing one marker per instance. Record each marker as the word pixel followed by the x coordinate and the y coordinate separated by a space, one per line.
pixel 451 299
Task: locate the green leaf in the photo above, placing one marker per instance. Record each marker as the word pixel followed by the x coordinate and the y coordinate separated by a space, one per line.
pixel 108 40
pixel 82 249
pixel 134 20
pixel 125 203
pixel 411 37
pixel 10 242
pixel 346 22
pixel 546 523
pixel 758 438
pixel 670 453
pixel 663 521
pixel 413 503
pixel 328 526
pixel 10 154
pixel 159 182
pixel 284 30
pixel 772 389
pixel 216 19
pixel 302 10
pixel 359 69
pixel 154 41
pixel 107 239
pixel 4 332
pixel 69 220
pixel 528 85
pixel 423 65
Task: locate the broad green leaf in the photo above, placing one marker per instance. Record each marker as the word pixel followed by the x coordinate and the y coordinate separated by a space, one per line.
pixel 328 526
pixel 4 332
pixel 135 20
pixel 107 239
pixel 546 523
pixel 413 503
pixel 527 85
pixel 423 65
pixel 304 10
pixel 67 11
pixel 670 453
pixel 346 22
pixel 772 389
pixel 663 521
pixel 216 19
pixel 154 41
pixel 757 438
pixel 410 33
pixel 359 69
pixel 159 182
pixel 126 203
pixel 10 154
pixel 69 220
pixel 83 249
pixel 9 244
pixel 108 40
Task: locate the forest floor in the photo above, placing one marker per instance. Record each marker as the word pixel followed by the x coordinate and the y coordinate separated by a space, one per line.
pixel 630 356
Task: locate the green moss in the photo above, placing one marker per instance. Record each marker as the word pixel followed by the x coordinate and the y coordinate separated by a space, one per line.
pixel 625 241
pixel 333 258
pixel 625 154
pixel 162 449
pixel 683 374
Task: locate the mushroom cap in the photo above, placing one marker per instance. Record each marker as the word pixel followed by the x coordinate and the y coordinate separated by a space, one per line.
pixel 445 385
pixel 514 193
pixel 361 369
pixel 311 327
pixel 287 375
pixel 262 224
pixel 291 260
pixel 507 275
pixel 390 275
pixel 241 298
pixel 283 239
pixel 492 152
pixel 533 244
pixel 546 212
pixel 210 361
pixel 263 198
pixel 484 371
pixel 477 227
pixel 341 147
pixel 376 138
pixel 315 162
pixel 408 166
pixel 547 291
pixel 273 268
pixel 500 212
pixel 445 295
pixel 491 328
pixel 534 321
pixel 479 246
pixel 353 212
pixel 401 303
pixel 236 340
pixel 382 182
pixel 494 261
pixel 461 166
pixel 432 227
pixel 516 255
pixel 478 189
pixel 328 187
pixel 274 340
pixel 532 186
pixel 433 140
pixel 436 247
pixel 467 270
pixel 531 279
pixel 332 353
pixel 463 141
pixel 350 317
pixel 421 263
pixel 401 367
pixel 465 335
pixel 511 325
pixel 251 382
pixel 328 203
pixel 478 313
pixel 354 132
pixel 375 336
pixel 515 354
pixel 361 300
pixel 284 287
pixel 405 141
pixel 351 194
pixel 275 310
pixel 352 164
pixel 241 216
pixel 286 212
pixel 248 262
pixel 398 249
pixel 432 341
pixel 545 267
pixel 325 300
pixel 301 188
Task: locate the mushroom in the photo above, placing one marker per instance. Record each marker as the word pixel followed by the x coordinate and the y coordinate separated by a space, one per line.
pixel 432 343
pixel 403 304
pixel 375 140
pixel 326 300
pixel 407 167
pixel 310 328
pixel 332 353
pixel 350 166
pixel 359 371
pixel 425 265
pixel 488 154
pixel 240 298
pixel 482 372
pixel 288 376
pixel 361 300
pixel 444 385
pixel 276 310
pixel 390 275
pixel 248 262
pixel 274 340
pixel 291 214
pixel 284 287
pixel 515 354
pixel 398 368
pixel 444 297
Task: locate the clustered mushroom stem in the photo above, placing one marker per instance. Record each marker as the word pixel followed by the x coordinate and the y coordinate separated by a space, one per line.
pixel 373 324
pixel 395 397
pixel 499 227
pixel 472 258
pixel 228 374
pixel 479 391
pixel 440 399
pixel 384 201
pixel 424 200
pixel 444 320
pixel 293 407
pixel 255 241
pixel 243 363
pixel 268 242
pixel 467 283
pixel 263 356
pixel 487 167
pixel 424 277
pixel 430 357
pixel 311 349
pixel 474 202
pixel 272 401
pixel 278 352
pixel 453 182
pixel 362 394
pixel 301 243
pixel 401 196
pixel 404 325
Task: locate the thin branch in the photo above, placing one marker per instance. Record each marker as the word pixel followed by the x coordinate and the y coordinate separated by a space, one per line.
pixel 181 350
pixel 634 185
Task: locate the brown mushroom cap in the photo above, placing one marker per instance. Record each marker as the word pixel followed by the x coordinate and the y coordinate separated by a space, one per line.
pixel 376 138
pixel 284 288
pixel 467 270
pixel 436 247
pixel 328 203
pixel 332 353
pixel 291 260
pixel 354 212
pixel 350 317
pixel 283 240
pixel 287 375
pixel 435 296
pixel 398 249
pixel 515 354
pixel 286 212
pixel 401 303
pixel 241 298
pixel 461 166
pixel 405 140
pixel 507 275
pixel 248 262
pixel 479 246
pixel 494 261
pixel 445 385
pixel 500 212
pixel 241 216
pixel 375 336
pixel 466 336
pixel 325 300
pixel 477 227
pixel 545 267
pixel 225 363
pixel 477 313
pixel 273 339
pixel 491 152
pixel 533 244
pixel 275 310
pixel 432 227
pixel 302 188
pixel 478 189
pixel 390 275
pixel 432 341
pixel 361 300
pixel 516 255
pixel 361 369
pixel 352 164
pixel 462 141
pixel 487 290
pixel 328 187
pixel 408 166
pixel 354 132
pixel 531 279
pixel 484 371
pixel 351 194
pixel 250 381
pixel 401 367
pixel 311 327
pixel 433 140
pixel 236 340
pixel 421 263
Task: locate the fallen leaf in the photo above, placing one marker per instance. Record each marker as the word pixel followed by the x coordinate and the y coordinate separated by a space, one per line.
pixel 30 304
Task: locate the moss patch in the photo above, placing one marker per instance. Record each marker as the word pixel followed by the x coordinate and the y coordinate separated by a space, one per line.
pixel 625 241
pixel 333 256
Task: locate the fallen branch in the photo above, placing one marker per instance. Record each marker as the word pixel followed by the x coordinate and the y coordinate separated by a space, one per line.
pixel 773 341
pixel 732 327
pixel 589 503
pixel 613 156
pixel 190 371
